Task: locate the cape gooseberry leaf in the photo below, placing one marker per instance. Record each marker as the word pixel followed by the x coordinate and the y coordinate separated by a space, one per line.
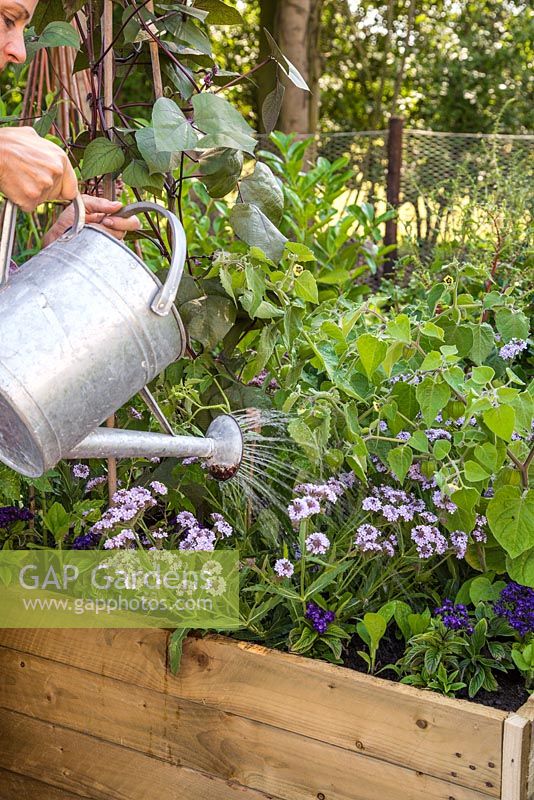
pixel 399 328
pixel 372 352
pixel 512 324
pixel 306 287
pixel 521 569
pixel 482 375
pixel 400 460
pixel 475 472
pixel 510 515
pixel 101 157
pixel 500 421
pixel 483 342
pixel 432 396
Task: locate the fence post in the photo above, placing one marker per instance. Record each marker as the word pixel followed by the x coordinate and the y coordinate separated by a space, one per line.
pixel 395 127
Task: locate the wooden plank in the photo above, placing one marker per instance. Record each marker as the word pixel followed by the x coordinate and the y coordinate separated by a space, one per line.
pixel 305 696
pixel 102 771
pixel 135 656
pixel 203 738
pixel 515 753
pixel 422 730
pixel 527 712
pixel 20 787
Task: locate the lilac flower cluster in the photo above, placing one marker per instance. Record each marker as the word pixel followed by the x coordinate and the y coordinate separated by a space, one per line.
pixel 442 501
pixel 512 349
pixel 369 539
pixel 479 534
pixel 159 488
pixel 134 413
pixel 459 541
pixel 11 514
pixel 393 504
pixel 313 494
pixel 317 543
pixel 127 504
pixel 454 617
pixel 284 568
pixel 415 474
pixel 320 619
pixel 94 482
pixel 429 541
pixel 198 537
pixel 126 536
pixel 80 471
pixel 516 604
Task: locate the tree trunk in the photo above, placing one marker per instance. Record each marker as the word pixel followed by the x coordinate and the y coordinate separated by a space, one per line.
pixel 293 30
pixel 266 77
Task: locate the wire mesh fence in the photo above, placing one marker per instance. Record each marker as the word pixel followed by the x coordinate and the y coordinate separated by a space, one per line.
pixel 435 167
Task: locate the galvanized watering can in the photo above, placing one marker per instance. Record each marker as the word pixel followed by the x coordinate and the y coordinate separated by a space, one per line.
pixel 84 326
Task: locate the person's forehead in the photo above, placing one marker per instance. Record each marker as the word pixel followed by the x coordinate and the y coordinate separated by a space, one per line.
pixel 20 8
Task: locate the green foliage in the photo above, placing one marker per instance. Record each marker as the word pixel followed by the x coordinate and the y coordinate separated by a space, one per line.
pixel 371 630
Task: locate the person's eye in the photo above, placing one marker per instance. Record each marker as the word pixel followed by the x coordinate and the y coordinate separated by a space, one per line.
pixel 8 22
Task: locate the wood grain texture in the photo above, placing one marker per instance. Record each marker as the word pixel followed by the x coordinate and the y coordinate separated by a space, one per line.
pixel 278 768
pixel 515 757
pixel 447 738
pixel 527 712
pixel 208 739
pixel 102 771
pixel 360 713
pixel 20 787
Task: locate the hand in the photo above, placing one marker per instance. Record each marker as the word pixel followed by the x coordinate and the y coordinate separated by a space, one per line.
pixel 98 211
pixel 33 170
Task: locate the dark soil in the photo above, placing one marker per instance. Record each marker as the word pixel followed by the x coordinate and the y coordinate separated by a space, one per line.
pixel 510 696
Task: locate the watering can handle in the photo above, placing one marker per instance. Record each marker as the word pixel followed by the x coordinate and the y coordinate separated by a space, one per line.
pixel 8 233
pixel 166 296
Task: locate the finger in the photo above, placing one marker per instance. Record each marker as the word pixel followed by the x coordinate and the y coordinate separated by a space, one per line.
pixel 69 187
pixel 122 223
pixel 100 204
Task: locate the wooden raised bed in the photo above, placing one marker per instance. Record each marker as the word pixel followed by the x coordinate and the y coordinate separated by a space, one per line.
pixel 96 714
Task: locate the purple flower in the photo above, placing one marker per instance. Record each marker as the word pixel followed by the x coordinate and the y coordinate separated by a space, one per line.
pixel 442 501
pixel 80 471
pixel 186 520
pixel 221 525
pixel 302 507
pixel 369 539
pixel 319 618
pixel 123 538
pixel 94 482
pixel 198 539
pixel 158 487
pixel 428 541
pixel 513 349
pixel 459 541
pixel 404 436
pixel 415 474
pixel 284 568
pixel 371 504
pixel 11 514
pixel 134 413
pixel 516 605
pixel 454 617
pixel 317 543
pixel 433 434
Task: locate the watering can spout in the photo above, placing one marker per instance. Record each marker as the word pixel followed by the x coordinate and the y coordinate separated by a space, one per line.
pixel 221 449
